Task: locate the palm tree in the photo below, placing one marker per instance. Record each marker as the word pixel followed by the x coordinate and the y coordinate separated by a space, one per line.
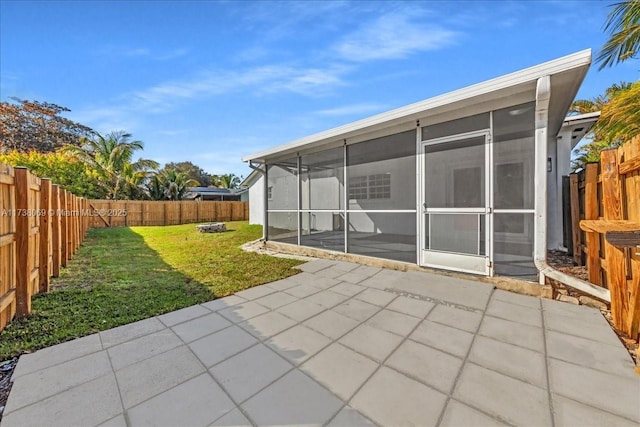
pixel 619 121
pixel 623 23
pixel 227 180
pixel 175 184
pixel 582 106
pixel 111 157
pixel 620 118
pixel 133 179
pixel 155 187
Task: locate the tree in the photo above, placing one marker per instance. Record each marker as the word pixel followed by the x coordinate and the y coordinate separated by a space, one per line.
pixel 32 125
pixel 111 157
pixel 623 23
pixel 155 187
pixel 227 180
pixel 63 169
pixel 191 171
pixel 619 120
pixel 169 184
pixel 175 184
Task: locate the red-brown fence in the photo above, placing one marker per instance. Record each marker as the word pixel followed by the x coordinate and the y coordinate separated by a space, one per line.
pixel 605 199
pixel 42 226
pixel 125 213
pixel 39 233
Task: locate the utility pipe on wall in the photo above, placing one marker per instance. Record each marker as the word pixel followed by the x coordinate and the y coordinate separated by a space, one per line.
pixel 543 96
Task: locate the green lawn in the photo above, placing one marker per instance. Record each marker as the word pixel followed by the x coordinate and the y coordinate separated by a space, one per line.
pixel 121 275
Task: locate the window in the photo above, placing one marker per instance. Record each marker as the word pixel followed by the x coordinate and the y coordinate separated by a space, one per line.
pixel 358 188
pixel 380 186
pixel 370 187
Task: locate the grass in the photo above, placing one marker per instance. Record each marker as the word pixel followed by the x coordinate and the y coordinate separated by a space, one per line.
pixel 121 275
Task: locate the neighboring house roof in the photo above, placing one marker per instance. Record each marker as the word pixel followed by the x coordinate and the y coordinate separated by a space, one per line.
pixel 211 190
pixel 567 73
pixel 193 192
pixel 579 125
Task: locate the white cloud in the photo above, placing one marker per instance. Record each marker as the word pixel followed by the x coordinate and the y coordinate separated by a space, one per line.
pixel 351 110
pixel 281 20
pixel 142 52
pixel 136 52
pixel 126 111
pixel 393 36
pixel 265 79
pixel 172 132
pixel 307 81
pixel 170 54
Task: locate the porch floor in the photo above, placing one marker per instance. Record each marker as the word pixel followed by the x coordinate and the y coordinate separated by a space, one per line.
pixel 340 344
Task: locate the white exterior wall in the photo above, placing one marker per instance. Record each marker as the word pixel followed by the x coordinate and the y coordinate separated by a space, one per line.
pixel 559 150
pixel 256 201
pixel 554 209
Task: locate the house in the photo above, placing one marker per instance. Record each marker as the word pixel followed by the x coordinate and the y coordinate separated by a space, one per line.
pixel 254 185
pixel 213 193
pixel 466 181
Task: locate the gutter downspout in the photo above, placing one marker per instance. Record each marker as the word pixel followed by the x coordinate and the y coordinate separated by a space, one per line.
pixel 266 196
pixel 543 96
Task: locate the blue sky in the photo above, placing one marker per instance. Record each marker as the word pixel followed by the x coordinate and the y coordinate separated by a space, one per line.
pixel 210 82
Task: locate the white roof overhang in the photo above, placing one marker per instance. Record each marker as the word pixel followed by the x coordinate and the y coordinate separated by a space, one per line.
pixel 566 73
pixel 578 126
pixel 251 178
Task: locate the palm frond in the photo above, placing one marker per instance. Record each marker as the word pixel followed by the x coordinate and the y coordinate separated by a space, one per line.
pixel 623 23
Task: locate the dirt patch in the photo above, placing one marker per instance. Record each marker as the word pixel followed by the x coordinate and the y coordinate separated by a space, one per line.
pixel 563 262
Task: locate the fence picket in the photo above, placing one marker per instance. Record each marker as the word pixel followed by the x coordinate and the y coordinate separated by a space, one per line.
pixel 619 202
pixel 43 225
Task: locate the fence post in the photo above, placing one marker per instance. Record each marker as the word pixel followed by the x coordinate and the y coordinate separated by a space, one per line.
pixel 63 227
pixel 23 273
pixel 86 217
pixel 69 220
pixel 76 222
pixel 612 205
pixel 72 224
pixel 575 218
pixel 45 234
pixel 630 153
pixel 592 211
pixel 55 229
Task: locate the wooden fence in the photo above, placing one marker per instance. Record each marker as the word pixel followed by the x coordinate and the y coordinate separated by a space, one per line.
pixel 42 226
pixel 124 213
pixel 39 233
pixel 605 218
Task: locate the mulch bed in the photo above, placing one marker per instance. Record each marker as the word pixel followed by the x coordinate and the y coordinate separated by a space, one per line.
pixel 6 370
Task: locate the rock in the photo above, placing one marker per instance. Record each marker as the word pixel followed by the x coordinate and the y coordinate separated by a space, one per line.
pixel 591 302
pixel 567 298
pixel 562 291
pixel 215 227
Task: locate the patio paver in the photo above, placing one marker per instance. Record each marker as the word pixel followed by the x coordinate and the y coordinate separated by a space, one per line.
pixel 340 344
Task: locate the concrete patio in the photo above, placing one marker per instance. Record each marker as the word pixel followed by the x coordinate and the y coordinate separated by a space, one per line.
pixel 340 344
